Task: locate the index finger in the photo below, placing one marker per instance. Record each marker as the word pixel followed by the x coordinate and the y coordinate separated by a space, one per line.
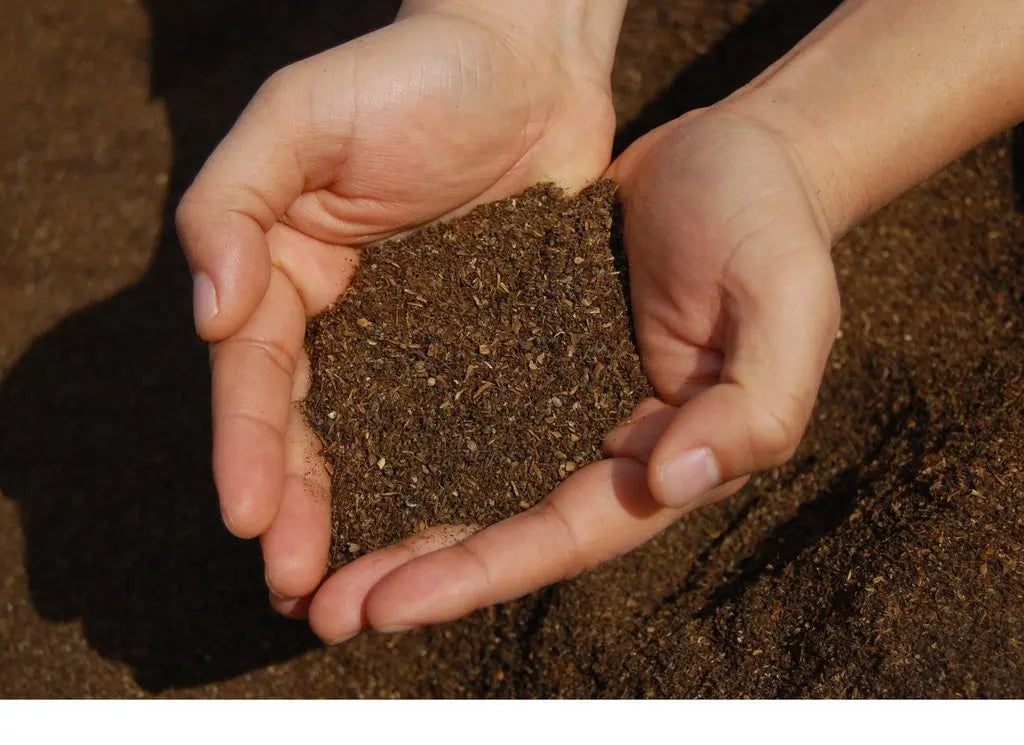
pixel 598 513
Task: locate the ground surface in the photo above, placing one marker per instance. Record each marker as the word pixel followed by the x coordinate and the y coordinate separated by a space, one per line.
pixel 888 559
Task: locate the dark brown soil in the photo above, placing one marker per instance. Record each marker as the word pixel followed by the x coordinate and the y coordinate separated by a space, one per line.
pixel 472 366
pixel 886 560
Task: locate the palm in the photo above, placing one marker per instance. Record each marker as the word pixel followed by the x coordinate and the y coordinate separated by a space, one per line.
pixel 711 213
pixel 431 115
pixel 713 207
pixel 414 123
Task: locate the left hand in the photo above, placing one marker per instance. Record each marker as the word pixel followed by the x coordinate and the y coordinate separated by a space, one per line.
pixel 457 103
pixel 736 308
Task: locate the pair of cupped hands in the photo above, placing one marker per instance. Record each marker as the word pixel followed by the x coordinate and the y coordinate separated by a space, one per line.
pixel 732 286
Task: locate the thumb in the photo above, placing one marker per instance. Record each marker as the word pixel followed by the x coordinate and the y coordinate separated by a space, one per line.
pixel 782 323
pixel 223 219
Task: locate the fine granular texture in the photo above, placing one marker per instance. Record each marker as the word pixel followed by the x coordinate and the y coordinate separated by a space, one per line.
pixel 472 366
pixel 886 560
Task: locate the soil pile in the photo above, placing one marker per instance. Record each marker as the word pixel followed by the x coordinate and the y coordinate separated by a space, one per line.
pixel 886 560
pixel 472 366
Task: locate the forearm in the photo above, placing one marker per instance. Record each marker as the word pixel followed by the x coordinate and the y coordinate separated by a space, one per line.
pixel 884 92
pixel 588 29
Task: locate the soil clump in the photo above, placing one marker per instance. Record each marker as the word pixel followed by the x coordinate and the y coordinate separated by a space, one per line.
pixel 472 366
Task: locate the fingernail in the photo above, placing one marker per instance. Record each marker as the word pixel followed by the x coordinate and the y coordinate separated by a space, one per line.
pixel 204 299
pixel 398 629
pixel 275 593
pixel 339 639
pixel 688 476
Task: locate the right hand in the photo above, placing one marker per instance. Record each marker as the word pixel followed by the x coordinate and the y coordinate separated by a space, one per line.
pixel 455 104
pixel 734 297
pixel 736 308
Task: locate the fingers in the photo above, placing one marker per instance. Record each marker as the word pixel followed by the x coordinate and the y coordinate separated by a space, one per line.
pixel 296 545
pixel 600 512
pixel 338 610
pixel 253 374
pixel 637 436
pixel 321 272
pixel 683 373
pixel 784 321
pixel 678 371
pixel 447 572
pixel 223 218
pixel 230 264
pixel 294 608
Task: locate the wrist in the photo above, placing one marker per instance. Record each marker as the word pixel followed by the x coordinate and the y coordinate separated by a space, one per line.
pixel 832 185
pixel 882 94
pixel 584 33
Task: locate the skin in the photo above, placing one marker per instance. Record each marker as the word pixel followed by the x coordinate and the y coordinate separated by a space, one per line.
pixel 452 105
pixel 730 211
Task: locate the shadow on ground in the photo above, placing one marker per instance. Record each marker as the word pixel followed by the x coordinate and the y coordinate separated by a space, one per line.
pixel 765 35
pixel 105 443
pixel 106 426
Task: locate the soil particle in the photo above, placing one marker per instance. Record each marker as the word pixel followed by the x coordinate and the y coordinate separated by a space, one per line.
pixel 472 366
pixel 886 560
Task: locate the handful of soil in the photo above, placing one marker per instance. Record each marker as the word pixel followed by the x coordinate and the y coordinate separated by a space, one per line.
pixel 473 366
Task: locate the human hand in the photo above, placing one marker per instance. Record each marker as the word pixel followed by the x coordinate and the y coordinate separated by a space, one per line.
pixel 455 104
pixel 736 309
pixel 735 301
pixel 730 213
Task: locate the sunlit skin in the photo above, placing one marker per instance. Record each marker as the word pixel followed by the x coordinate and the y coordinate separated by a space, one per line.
pixel 730 215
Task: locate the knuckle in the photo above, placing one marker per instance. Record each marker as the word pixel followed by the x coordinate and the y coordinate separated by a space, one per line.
pixel 776 431
pixel 273 85
pixel 277 356
pixel 276 87
pixel 186 215
pixel 477 560
pixel 574 560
